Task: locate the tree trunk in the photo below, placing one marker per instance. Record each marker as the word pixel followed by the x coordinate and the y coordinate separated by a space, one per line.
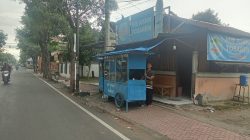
pixel 34 64
pixel 89 70
pixel 46 61
pixel 43 60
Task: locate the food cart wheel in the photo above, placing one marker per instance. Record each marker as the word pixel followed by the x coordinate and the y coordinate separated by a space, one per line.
pixel 119 100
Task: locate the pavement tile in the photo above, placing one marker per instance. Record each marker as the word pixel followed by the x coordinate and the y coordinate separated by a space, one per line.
pixel 175 126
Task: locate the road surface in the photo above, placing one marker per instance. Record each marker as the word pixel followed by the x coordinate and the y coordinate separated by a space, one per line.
pixel 31 110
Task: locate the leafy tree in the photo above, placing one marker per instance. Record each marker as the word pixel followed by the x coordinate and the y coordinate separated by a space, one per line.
pixel 88 36
pixel 44 20
pixel 22 58
pixel 88 10
pixel 27 47
pixel 207 16
pixel 3 38
pixel 7 58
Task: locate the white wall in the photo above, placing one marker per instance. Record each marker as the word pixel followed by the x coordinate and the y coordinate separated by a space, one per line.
pixel 93 67
pixel 62 73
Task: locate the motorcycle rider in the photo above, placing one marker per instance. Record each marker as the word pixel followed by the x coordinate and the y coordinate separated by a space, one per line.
pixel 6 67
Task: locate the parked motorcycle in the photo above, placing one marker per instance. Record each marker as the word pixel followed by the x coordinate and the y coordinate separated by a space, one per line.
pixel 5 76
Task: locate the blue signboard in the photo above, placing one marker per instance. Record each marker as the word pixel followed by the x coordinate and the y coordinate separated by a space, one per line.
pixel 226 48
pixel 123 30
pixel 142 25
pixel 138 27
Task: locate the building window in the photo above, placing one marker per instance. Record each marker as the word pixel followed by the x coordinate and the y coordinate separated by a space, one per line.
pixel 112 70
pixel 121 69
pixel 136 74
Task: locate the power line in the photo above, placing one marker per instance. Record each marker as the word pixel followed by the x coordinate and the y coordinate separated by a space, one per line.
pixel 127 7
pixel 135 2
pixel 128 1
pixel 131 3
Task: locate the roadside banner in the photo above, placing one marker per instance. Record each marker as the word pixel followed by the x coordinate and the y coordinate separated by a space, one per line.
pixel 227 48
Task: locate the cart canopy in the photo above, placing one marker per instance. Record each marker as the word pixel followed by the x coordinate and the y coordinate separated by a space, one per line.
pixel 139 47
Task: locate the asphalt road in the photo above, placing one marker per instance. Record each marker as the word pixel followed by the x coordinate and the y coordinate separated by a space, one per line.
pixel 30 110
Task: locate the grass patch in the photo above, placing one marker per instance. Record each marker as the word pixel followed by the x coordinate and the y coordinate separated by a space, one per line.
pixel 229 105
pixel 90 79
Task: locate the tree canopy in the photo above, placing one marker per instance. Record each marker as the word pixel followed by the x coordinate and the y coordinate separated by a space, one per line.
pixel 42 20
pixel 207 16
pixel 25 44
pixel 7 58
pixel 3 38
pixel 88 36
pixel 46 19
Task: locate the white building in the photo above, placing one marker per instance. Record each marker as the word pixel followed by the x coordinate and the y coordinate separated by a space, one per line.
pixel 64 70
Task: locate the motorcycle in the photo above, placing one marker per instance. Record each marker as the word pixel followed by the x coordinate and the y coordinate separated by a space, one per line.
pixel 5 76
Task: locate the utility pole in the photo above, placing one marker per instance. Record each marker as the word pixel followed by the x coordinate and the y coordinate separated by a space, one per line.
pixel 107 26
pixel 77 48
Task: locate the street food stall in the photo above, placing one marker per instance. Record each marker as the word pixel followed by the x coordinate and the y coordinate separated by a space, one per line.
pixel 123 76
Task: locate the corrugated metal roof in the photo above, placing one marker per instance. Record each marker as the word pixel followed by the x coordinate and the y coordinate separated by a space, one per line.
pixel 213 27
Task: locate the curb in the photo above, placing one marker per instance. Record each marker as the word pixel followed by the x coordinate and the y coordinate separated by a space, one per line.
pixel 117 115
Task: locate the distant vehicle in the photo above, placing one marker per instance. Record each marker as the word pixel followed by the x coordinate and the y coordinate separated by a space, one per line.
pixel 17 67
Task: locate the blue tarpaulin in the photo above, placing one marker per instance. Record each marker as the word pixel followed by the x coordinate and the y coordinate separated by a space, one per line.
pixel 227 48
pixel 143 48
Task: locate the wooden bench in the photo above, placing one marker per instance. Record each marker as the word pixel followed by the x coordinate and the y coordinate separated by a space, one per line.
pixel 163 89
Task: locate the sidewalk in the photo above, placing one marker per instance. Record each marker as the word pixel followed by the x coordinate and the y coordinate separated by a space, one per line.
pixel 91 88
pixel 178 127
pixel 163 120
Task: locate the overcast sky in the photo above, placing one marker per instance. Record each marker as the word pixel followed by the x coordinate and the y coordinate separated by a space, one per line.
pixel 10 16
pixel 232 12
pixel 236 13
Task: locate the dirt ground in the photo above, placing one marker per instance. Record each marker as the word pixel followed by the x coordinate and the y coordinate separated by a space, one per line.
pixel 230 115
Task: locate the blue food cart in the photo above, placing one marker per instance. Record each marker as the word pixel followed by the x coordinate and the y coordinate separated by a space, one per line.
pixel 122 71
pixel 122 76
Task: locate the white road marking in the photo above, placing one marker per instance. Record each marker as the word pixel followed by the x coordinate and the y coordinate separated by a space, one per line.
pixel 89 113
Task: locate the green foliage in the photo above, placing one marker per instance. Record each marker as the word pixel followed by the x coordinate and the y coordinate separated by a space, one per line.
pixel 44 20
pixel 87 36
pixel 23 57
pixel 7 58
pixel 54 46
pixel 88 10
pixel 3 38
pixel 26 45
pixel 207 16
